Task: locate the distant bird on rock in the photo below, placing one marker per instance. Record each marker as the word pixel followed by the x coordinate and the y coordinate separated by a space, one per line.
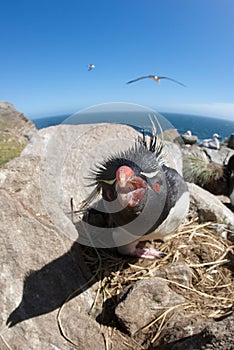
pixel 213 143
pixel 155 78
pixel 91 66
pixel 188 138
pixel 149 198
pixel 188 133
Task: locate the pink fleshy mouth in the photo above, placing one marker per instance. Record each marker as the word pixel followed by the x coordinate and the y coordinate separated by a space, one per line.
pixel 130 188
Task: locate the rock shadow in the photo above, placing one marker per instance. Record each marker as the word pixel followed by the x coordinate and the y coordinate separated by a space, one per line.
pixel 47 289
pixel 194 342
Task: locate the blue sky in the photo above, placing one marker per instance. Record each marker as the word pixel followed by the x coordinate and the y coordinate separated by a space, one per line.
pixel 46 46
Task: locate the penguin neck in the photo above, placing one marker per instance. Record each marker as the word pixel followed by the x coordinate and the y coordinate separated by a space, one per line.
pixel 176 186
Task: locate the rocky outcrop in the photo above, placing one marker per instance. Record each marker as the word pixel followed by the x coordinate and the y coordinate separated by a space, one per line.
pixel 14 129
pixel 209 207
pixel 14 125
pixel 38 262
pixel 219 156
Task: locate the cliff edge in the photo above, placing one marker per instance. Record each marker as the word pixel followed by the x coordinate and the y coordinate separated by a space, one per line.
pixel 14 127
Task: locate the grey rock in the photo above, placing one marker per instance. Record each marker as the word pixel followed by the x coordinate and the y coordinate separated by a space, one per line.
pixel 231 141
pixel 209 207
pixel 173 155
pixel 193 333
pixel 195 151
pixel 189 140
pixel 14 125
pixel 179 272
pixel 84 331
pixel 39 268
pixel 145 302
pixel 219 156
pixel 209 155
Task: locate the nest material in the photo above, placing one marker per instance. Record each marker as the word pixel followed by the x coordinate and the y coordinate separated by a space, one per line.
pixel 209 257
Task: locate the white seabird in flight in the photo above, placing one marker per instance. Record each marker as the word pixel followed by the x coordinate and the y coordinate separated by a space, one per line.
pixel 91 66
pixel 155 78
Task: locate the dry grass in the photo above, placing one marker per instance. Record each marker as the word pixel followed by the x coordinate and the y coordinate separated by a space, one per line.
pixel 9 150
pixel 210 260
pixel 197 169
pixel 199 246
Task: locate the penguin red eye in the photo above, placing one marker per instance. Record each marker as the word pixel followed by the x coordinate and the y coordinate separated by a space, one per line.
pixel 156 187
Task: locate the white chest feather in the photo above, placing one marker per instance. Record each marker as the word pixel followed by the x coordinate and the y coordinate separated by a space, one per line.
pixel 173 220
pixel 122 237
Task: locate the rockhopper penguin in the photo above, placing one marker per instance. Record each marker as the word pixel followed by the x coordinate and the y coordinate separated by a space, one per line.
pixel 144 198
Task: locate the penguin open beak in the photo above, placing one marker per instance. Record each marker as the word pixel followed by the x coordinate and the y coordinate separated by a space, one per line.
pixel 130 188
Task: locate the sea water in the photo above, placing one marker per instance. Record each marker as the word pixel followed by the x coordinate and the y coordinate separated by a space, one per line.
pixel 201 126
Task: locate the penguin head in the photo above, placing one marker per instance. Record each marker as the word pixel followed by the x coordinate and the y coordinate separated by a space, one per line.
pixel 134 186
pixel 132 183
pixel 135 180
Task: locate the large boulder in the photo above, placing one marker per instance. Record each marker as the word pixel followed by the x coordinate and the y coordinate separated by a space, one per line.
pixel 145 303
pixel 219 156
pixel 38 262
pixel 209 207
pixel 14 125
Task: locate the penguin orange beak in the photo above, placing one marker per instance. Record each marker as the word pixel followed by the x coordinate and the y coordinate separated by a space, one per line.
pixel 130 188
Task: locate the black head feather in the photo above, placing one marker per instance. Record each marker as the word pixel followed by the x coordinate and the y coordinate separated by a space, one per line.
pixel 143 156
pixel 146 155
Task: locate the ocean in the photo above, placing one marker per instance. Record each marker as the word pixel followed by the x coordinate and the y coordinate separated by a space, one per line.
pixel 201 126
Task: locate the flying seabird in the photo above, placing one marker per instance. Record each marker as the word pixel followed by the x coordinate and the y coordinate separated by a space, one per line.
pixel 91 66
pixel 155 78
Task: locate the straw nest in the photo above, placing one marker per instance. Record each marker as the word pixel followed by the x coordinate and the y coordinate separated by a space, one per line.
pixel 210 260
